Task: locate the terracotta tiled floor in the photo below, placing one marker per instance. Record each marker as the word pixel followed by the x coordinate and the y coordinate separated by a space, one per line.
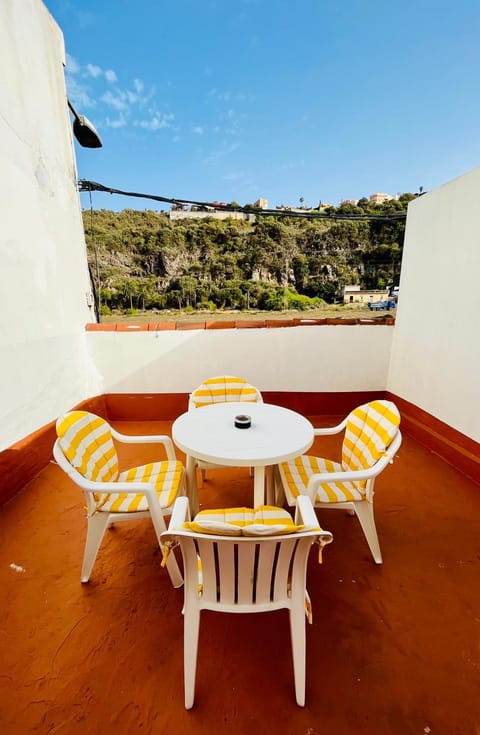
pixel 392 649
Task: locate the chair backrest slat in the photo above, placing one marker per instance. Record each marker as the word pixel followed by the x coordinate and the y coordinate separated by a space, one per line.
pixel 245 573
pixel 264 573
pixel 210 581
pixel 226 573
pixel 283 568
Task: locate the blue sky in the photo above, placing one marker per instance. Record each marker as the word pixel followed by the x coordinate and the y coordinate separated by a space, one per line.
pixel 236 100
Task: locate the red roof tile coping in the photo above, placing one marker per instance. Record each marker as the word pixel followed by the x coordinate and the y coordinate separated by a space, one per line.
pixel 309 322
pixel 129 327
pixel 101 327
pixel 279 323
pixel 190 325
pixel 162 326
pixel 237 324
pixel 220 325
pixel 341 320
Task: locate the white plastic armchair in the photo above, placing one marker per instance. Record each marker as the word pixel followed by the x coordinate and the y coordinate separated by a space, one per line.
pixel 85 451
pixel 245 574
pixel 372 439
pixel 221 389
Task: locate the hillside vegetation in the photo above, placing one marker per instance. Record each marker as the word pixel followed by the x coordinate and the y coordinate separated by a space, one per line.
pixel 142 260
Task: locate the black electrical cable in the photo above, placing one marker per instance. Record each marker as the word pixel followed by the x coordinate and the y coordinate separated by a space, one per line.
pixel 95 283
pixel 85 185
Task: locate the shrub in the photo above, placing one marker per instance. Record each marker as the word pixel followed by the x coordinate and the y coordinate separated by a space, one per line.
pixel 206 306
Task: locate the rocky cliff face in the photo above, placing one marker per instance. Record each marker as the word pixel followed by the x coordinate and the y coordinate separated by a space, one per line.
pixel 142 258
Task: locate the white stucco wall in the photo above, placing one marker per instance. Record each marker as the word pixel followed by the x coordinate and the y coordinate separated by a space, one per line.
pixel 435 361
pixel 316 358
pixel 44 363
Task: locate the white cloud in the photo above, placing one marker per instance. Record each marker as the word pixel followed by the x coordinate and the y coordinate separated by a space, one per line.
pixel 72 65
pixel 135 106
pixel 120 122
pixel 228 95
pixel 93 70
pixel 222 96
pixel 288 165
pixel 157 121
pixel 117 101
pixel 78 93
pixel 221 153
pixel 198 130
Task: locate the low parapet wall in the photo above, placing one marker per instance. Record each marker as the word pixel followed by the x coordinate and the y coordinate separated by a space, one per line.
pixel 315 356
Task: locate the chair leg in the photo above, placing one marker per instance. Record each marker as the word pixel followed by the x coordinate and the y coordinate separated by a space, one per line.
pixel 278 487
pixel 191 625
pixel 172 565
pixel 174 571
pixel 96 527
pixel 364 511
pixel 297 633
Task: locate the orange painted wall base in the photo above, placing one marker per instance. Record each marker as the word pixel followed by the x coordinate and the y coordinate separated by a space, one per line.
pixel 21 462
pixel 451 445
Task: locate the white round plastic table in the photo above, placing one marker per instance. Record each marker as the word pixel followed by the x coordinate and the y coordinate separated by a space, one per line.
pixel 208 433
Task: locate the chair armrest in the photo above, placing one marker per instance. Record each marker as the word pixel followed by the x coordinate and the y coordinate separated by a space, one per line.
pixel 325 478
pixel 327 430
pixel 90 486
pixel 100 487
pixel 116 488
pixel 180 514
pixel 304 512
pixel 152 439
pixel 305 515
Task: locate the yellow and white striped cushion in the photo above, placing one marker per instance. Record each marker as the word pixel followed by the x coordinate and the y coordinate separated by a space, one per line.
pixel 165 476
pixel 86 441
pixel 266 520
pixel 298 471
pixel 222 389
pixel 370 429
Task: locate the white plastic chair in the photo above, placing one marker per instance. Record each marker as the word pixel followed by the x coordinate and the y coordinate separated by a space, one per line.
pixel 372 438
pixel 221 389
pixel 85 450
pixel 243 575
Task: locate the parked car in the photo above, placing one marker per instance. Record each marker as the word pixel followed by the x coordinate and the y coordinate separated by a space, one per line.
pixel 379 305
